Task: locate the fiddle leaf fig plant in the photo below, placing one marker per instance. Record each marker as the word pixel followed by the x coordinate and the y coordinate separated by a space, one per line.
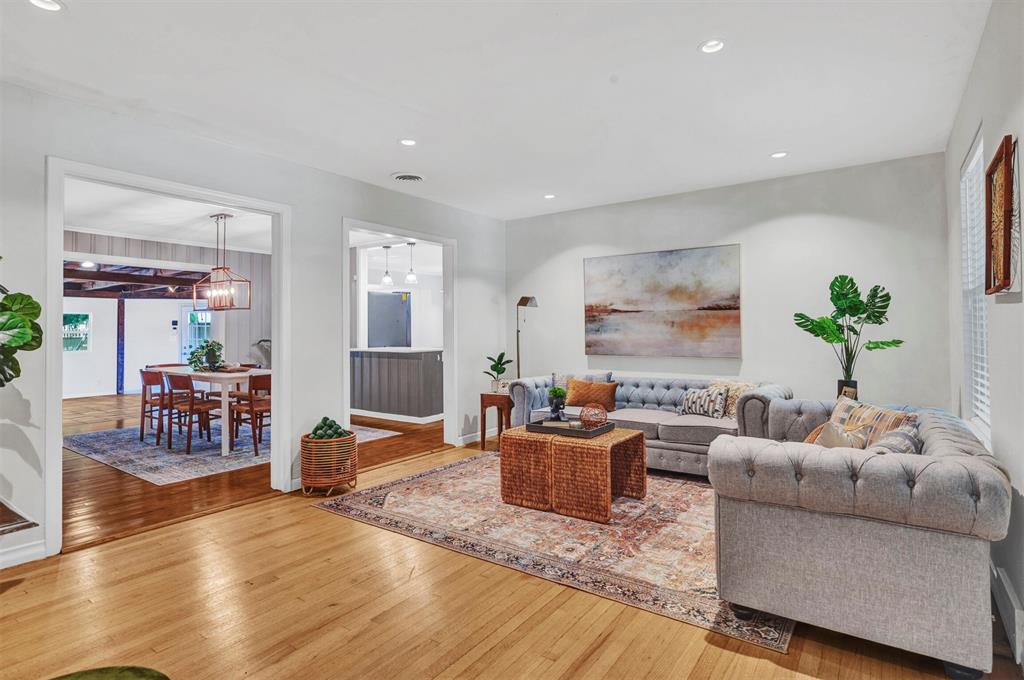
pixel 498 365
pixel 843 327
pixel 19 331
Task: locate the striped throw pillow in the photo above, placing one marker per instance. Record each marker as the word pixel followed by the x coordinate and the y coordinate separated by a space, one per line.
pixel 873 421
pixel 904 439
pixel 707 402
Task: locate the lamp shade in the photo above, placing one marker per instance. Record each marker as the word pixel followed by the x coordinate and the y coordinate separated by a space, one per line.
pixel 527 301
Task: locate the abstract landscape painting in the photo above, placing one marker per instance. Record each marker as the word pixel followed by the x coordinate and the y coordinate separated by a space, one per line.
pixel 681 303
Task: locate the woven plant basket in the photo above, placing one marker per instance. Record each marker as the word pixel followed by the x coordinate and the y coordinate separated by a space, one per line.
pixel 328 463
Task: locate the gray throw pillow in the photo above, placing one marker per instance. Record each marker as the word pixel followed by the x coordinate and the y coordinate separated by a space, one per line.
pixel 707 402
pixel 904 439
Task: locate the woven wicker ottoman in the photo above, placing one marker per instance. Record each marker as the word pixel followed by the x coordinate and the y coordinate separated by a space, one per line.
pixel 572 476
pixel 587 473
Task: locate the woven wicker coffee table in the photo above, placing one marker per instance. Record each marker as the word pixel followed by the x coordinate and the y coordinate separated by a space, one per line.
pixel 570 475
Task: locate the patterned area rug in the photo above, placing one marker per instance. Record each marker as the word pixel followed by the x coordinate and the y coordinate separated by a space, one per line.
pixel 657 554
pixel 122 449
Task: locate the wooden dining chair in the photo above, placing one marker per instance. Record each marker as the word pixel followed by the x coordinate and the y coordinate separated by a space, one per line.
pixel 253 409
pixel 202 393
pixel 154 401
pixel 191 409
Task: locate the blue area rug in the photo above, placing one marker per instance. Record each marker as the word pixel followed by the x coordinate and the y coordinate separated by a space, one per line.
pixel 159 465
pixel 122 449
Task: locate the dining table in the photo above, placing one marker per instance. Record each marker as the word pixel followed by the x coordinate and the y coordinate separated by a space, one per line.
pixel 225 380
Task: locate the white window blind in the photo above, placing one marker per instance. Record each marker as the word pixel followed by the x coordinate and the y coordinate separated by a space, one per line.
pixel 975 310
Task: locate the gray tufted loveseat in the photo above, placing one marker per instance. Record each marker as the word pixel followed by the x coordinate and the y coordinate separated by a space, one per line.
pixel 651 404
pixel 892 548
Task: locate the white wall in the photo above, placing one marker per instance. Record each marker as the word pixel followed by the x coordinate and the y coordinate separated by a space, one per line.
pixel 149 337
pixel 36 125
pixel 882 223
pixel 92 373
pixel 994 101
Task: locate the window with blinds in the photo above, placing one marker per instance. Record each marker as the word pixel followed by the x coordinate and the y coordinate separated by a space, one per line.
pixel 975 312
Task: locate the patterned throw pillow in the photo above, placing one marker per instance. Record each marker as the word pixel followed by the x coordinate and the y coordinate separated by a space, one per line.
pixel 904 439
pixel 707 402
pixel 735 388
pixel 582 393
pixel 851 414
pixel 834 436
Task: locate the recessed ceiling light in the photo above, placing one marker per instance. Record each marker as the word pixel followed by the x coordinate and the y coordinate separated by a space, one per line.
pixel 407 142
pixel 48 5
pixel 711 46
pixel 89 264
pixel 549 196
pixel 780 154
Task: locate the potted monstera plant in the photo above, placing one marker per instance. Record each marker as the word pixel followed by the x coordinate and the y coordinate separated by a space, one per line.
pixel 843 328
pixel 19 331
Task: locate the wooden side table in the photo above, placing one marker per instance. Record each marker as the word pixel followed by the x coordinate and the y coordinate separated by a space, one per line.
pixel 502 402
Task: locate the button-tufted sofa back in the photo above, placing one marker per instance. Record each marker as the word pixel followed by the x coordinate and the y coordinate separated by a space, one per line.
pixel 661 394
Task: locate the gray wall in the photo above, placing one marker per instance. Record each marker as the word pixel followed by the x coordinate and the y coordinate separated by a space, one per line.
pixel 242 329
pixel 34 125
pixel 882 223
pixel 994 102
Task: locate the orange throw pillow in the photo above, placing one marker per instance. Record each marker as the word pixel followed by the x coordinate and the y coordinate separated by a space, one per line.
pixel 813 436
pixel 582 393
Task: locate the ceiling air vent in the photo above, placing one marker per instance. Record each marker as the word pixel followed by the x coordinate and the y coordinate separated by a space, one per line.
pixel 406 177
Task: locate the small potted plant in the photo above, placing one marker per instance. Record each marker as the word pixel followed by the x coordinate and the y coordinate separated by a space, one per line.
pixel 498 365
pixel 329 457
pixel 556 399
pixel 207 357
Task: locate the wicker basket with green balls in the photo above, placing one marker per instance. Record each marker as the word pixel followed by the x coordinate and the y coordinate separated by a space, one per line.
pixel 329 457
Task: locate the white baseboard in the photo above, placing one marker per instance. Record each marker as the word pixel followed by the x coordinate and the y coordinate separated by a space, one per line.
pixel 1010 610
pixel 394 416
pixel 475 436
pixel 18 554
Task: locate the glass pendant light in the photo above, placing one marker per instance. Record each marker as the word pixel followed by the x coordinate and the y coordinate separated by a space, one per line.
pixel 222 289
pixel 387 280
pixel 411 276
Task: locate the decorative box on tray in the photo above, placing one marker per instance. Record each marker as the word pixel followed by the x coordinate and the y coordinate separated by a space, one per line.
pixel 569 428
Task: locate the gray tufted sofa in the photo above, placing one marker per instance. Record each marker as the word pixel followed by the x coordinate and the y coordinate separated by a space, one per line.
pixel 674 442
pixel 892 548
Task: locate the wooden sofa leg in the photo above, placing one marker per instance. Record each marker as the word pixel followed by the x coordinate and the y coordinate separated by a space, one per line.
pixel 742 613
pixel 955 671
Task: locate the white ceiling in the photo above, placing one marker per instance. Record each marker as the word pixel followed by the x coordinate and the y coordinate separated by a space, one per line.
pixel 116 211
pixel 595 102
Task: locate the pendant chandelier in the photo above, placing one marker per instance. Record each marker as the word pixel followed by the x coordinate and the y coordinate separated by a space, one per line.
pixel 411 276
pixel 387 280
pixel 222 289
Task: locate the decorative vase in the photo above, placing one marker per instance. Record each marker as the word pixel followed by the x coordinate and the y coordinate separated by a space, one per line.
pixel 846 388
pixel 557 406
pixel 494 386
pixel 593 415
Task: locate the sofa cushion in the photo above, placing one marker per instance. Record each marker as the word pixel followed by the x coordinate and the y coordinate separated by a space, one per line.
pixel 583 392
pixel 694 429
pixel 644 419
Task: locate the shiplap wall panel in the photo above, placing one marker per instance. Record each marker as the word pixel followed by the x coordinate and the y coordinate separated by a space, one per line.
pixel 241 329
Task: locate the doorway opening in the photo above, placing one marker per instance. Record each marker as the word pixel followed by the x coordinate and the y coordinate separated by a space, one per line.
pixel 145 438
pixel 398 342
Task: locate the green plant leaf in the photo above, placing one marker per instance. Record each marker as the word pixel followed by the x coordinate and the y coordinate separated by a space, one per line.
pixel 501 358
pixel 9 366
pixel 822 327
pixel 876 307
pixel 14 329
pixel 845 296
pixel 21 304
pixel 872 345
pixel 37 338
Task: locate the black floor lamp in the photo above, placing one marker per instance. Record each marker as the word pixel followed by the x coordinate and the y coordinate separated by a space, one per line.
pixel 525 301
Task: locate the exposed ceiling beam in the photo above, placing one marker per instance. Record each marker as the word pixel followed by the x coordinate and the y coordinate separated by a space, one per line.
pixel 117 277
pixel 131 295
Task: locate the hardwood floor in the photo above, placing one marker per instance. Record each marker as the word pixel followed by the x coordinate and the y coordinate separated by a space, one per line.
pixel 102 503
pixel 279 589
pixel 11 521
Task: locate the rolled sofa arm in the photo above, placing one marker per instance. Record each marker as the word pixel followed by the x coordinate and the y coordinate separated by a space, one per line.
pixel 752 409
pixel 528 394
pixel 959 494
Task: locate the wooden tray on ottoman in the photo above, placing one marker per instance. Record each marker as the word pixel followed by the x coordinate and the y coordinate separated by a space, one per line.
pixel 587 473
